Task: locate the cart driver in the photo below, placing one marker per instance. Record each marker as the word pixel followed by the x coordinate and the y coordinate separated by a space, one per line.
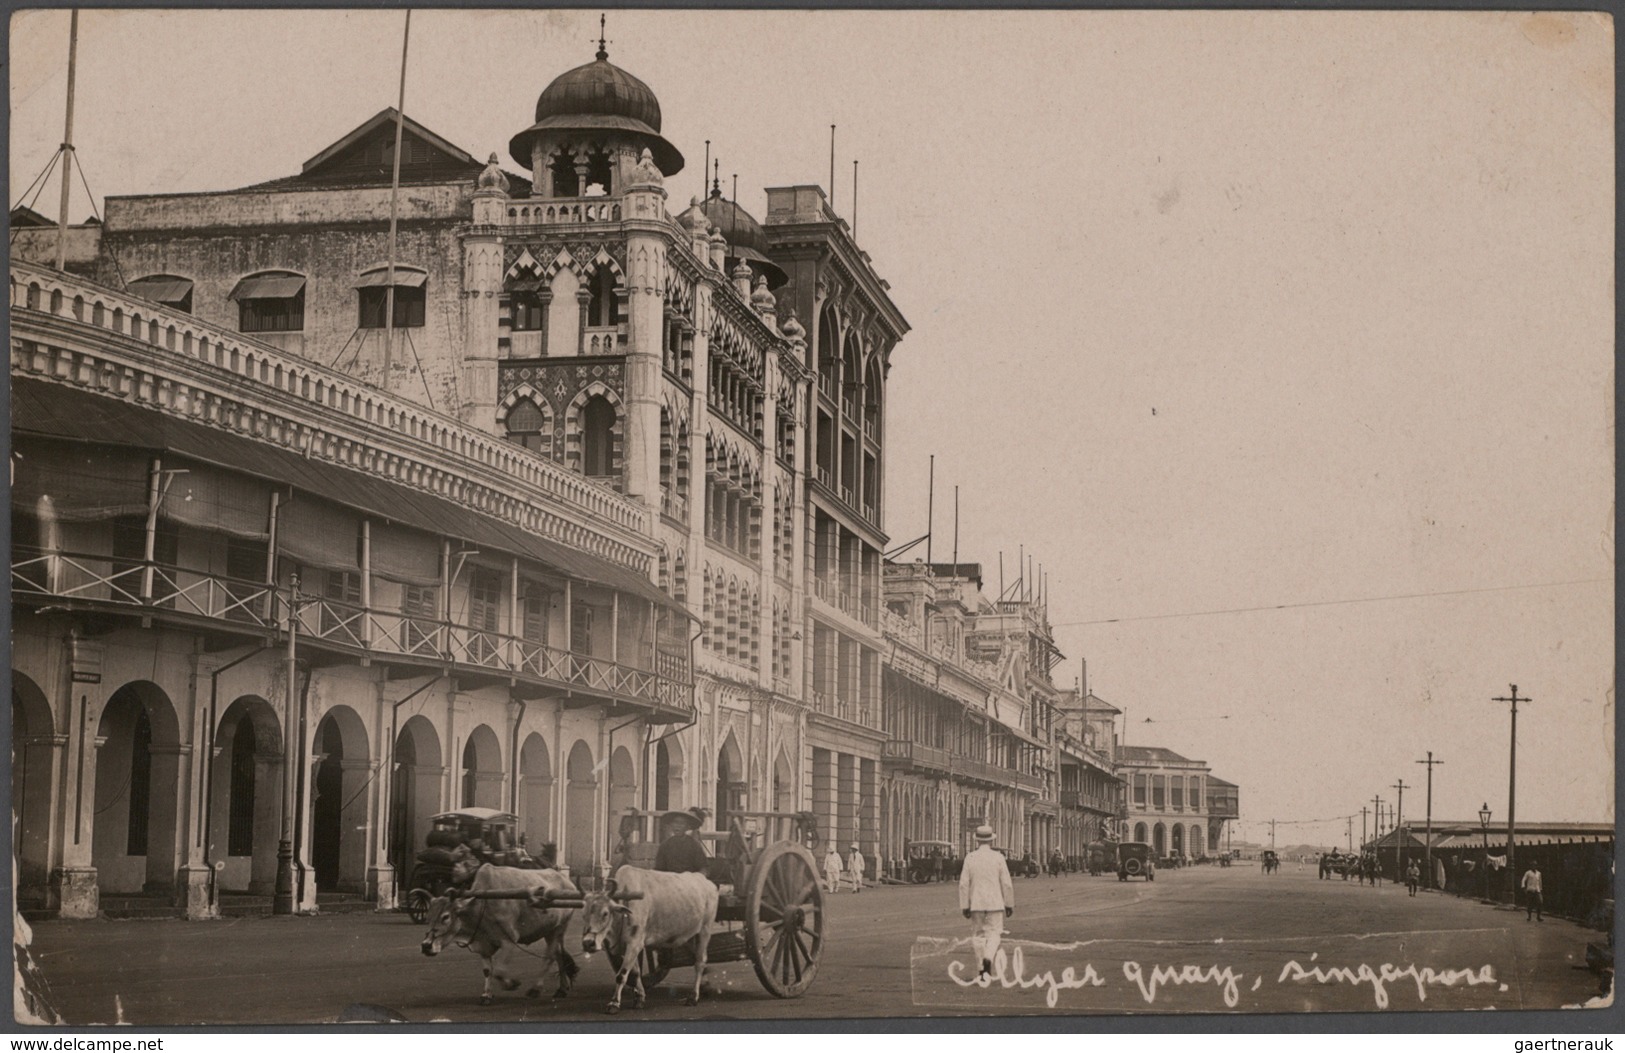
pixel 682 851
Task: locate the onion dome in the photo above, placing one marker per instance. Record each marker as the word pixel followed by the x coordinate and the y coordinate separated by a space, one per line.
pixel 596 98
pixel 747 241
pixel 493 178
pixel 761 299
pixel 793 329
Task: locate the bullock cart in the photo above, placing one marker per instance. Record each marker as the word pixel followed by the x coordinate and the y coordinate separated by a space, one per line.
pixel 492 837
pixel 770 905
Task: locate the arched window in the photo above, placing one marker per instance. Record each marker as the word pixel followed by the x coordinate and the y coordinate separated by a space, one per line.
pixel 598 437
pixel 270 302
pixel 872 386
pixel 828 364
pixel 563 169
pixel 527 427
pixel 600 175
pixel 604 308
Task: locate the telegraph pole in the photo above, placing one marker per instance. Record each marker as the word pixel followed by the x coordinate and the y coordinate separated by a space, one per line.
pixel 1427 849
pixel 1350 834
pixel 1399 836
pixel 1272 835
pixel 1363 811
pixel 1512 792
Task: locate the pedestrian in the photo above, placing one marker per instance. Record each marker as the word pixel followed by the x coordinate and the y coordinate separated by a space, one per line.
pixel 986 897
pixel 682 852
pixel 832 869
pixel 1413 877
pixel 1325 866
pixel 1532 893
pixel 854 868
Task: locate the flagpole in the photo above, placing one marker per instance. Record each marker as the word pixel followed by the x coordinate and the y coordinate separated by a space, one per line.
pixel 394 201
pixel 67 143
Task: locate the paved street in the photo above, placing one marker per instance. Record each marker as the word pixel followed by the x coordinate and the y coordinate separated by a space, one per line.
pixel 1200 939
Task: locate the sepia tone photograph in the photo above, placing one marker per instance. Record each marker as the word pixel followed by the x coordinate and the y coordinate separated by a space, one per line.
pixel 675 516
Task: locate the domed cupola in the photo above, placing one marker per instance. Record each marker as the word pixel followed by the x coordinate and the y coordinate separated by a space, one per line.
pixel 747 241
pixel 592 124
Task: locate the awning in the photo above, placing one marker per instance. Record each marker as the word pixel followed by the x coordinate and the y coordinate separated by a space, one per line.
pixel 268 287
pixel 43 408
pixel 404 278
pixel 161 290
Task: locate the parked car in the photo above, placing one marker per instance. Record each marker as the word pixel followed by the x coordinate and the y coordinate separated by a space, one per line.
pixel 1134 859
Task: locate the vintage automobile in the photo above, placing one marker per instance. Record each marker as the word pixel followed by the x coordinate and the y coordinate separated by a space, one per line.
pixel 930 861
pixel 1134 859
pixel 489 834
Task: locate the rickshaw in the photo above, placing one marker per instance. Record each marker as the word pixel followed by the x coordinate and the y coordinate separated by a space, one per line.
pixel 927 860
pixel 488 833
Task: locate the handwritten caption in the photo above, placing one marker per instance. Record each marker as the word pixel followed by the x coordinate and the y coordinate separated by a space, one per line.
pixel 1122 976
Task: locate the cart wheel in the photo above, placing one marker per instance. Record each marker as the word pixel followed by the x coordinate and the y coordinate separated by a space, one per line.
pixel 784 920
pixel 653 971
pixel 417 905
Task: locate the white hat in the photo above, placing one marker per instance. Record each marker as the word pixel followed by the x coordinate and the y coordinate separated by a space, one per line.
pixel 854 844
pixel 984 834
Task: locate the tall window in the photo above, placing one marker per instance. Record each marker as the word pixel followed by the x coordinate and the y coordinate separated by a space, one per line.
pixel 534 612
pixel 598 437
pixel 563 168
pixel 341 618
pixel 273 302
pixel 421 605
pixel 240 821
pixel 581 628
pixel 409 306
pixel 604 308
pixel 484 601
pixel 527 426
pixel 526 309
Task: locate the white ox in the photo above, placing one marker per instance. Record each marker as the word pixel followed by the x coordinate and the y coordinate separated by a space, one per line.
pixel 664 911
pixel 488 925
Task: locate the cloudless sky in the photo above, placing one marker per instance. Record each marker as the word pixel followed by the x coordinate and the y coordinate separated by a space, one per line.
pixel 1211 310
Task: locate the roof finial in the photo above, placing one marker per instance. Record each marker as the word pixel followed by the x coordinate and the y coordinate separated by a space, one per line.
pixel 603 53
pixel 716 178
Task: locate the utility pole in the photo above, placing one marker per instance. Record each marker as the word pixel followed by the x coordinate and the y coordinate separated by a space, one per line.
pixel 1363 811
pixel 1350 833
pixel 1399 835
pixel 285 897
pixel 1272 835
pixel 1512 793
pixel 1427 848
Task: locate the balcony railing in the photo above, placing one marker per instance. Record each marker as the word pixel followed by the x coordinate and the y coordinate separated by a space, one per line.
pixel 831 592
pixel 288 400
pixel 941 761
pixel 1093 801
pixel 835 706
pixel 587 210
pixel 602 340
pixel 98 580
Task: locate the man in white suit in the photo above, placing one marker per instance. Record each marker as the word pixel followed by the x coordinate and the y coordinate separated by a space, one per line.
pixel 986 897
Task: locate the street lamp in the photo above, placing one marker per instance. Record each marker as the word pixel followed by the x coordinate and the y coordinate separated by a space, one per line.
pixel 1484 822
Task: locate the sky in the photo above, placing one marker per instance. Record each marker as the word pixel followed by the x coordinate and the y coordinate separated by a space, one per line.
pixel 1211 312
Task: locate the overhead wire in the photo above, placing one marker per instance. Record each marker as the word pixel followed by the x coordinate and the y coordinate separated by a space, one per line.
pixel 1329 603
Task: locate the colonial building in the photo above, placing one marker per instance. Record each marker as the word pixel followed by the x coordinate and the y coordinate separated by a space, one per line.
pixel 521 515
pixel 1167 800
pixel 959 749
pixel 1223 808
pixel 1092 802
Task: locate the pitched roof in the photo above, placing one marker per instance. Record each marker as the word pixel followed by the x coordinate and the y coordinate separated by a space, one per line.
pixel 1152 755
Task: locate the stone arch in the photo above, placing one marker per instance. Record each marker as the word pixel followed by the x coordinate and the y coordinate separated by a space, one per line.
pixel 533 422
pixel 623 788
pixel 1159 840
pixel 580 804
pixel 535 792
pixel 33 746
pixel 1195 845
pixel 575 439
pixel 481 785
pixel 1140 833
pixel 338 801
pixel 1176 844
pixel 668 774
pixel 245 795
pixel 414 793
pixel 136 841
pixel 783 783
pixel 731 774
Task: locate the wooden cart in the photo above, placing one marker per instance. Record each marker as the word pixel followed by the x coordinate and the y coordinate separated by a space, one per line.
pixel 771 906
